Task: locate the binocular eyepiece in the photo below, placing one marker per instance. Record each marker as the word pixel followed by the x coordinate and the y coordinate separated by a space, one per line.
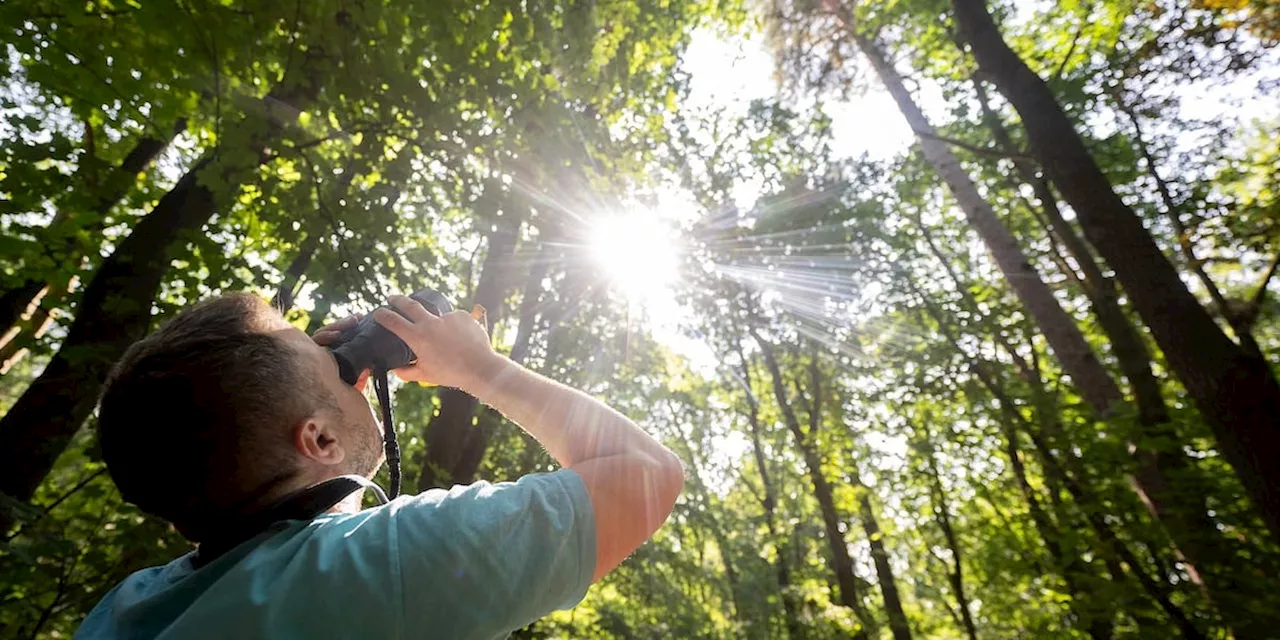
pixel 369 345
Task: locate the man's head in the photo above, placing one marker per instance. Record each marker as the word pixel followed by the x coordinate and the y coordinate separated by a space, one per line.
pixel 226 408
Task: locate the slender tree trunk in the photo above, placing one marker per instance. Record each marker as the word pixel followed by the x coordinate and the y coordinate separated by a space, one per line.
pixel 1054 473
pixel 841 561
pixel 453 435
pixel 880 556
pixel 1235 391
pixel 1173 211
pixel 1068 344
pixel 1095 615
pixel 769 503
pixel 116 307
pixel 942 511
pixel 1111 544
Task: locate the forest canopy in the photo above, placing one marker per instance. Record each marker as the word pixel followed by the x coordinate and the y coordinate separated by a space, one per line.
pixel 961 315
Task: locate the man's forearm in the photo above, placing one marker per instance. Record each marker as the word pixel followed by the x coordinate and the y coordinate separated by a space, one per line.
pixel 573 426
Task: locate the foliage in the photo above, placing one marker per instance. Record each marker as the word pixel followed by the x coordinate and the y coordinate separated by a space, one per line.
pixel 865 385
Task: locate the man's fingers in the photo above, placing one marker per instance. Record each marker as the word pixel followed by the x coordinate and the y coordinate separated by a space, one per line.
pixel 331 332
pixel 411 308
pixel 394 322
pixel 324 337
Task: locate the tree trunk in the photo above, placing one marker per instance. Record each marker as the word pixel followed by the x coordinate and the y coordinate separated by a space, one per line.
pixel 1075 573
pixel 38 320
pixel 942 510
pixel 530 304
pixel 884 572
pixel 1235 391
pixel 1174 212
pixel 770 503
pixel 116 307
pixel 1055 474
pixel 283 300
pixel 453 435
pixel 62 245
pixel 841 561
pixel 1060 330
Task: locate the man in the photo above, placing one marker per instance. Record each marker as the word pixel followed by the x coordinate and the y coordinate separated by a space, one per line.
pixel 228 409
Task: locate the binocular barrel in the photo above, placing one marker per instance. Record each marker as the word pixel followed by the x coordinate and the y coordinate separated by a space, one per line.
pixel 369 345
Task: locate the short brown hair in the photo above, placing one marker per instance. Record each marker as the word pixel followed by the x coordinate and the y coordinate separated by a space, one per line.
pixel 194 419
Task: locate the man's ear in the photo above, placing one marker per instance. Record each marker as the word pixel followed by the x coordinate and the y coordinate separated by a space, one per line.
pixel 315 439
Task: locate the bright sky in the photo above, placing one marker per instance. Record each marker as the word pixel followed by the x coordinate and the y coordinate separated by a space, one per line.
pixel 728 73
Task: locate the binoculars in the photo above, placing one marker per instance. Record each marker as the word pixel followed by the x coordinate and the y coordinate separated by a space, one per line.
pixel 369 345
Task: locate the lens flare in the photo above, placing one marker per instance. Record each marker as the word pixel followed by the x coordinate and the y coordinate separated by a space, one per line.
pixel 637 252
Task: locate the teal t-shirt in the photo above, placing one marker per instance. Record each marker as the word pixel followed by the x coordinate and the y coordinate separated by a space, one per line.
pixel 476 561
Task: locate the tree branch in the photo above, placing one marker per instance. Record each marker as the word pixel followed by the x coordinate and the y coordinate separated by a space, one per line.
pixel 983 151
pixel 1260 294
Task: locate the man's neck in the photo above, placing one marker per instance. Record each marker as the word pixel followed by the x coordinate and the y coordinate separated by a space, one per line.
pixel 349 504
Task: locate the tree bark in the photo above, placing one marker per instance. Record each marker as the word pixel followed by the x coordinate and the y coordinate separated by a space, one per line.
pixel 880 556
pixel 1060 330
pixel 453 435
pixel 530 303
pixel 16 301
pixel 1235 391
pixel 841 561
pixel 116 307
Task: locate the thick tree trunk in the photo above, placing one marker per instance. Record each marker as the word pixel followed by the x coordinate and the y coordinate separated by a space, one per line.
pixel 16 301
pixel 880 556
pixel 1235 391
pixel 454 436
pixel 1060 330
pixel 841 561
pixel 1126 345
pixel 116 307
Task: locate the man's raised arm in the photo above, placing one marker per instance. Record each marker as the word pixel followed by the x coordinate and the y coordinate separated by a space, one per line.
pixel 632 480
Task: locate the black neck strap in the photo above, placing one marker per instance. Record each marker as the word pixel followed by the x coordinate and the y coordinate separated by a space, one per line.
pixel 304 505
pixel 389 442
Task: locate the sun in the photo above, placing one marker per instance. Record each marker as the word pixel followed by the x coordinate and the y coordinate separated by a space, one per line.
pixel 637 251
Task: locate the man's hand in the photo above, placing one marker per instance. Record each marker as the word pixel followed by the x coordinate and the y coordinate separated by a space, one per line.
pixel 453 350
pixel 328 334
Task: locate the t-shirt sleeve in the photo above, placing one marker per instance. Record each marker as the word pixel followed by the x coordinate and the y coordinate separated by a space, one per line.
pixel 490 558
